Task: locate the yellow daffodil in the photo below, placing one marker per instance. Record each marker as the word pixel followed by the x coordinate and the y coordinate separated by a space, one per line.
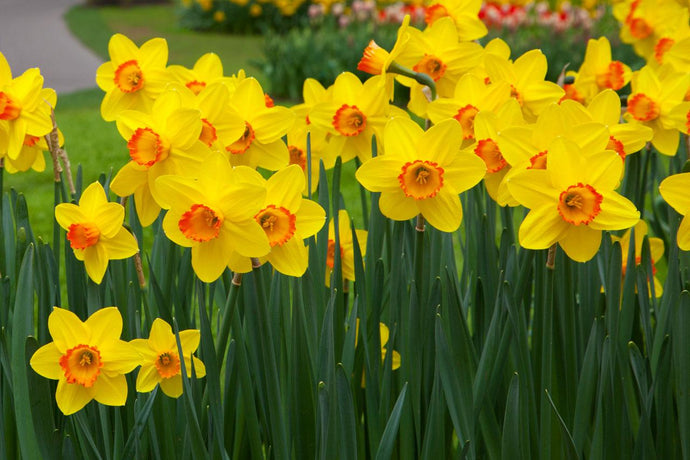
pixel 287 219
pixel 422 172
pixel 675 51
pixel 598 71
pixel 465 13
pixel 207 69
pixel 354 114
pixel 657 101
pixel 656 249
pixel 165 142
pixel 437 53
pixel 134 77
pixel 260 144
pixel 297 146
pixel 644 22
pixel 572 200
pixel 88 359
pixel 25 107
pixel 30 156
pixel 674 189
pixel 471 97
pixel 160 360
pixel 214 215
pixel 95 231
pixel 526 79
pixel 347 255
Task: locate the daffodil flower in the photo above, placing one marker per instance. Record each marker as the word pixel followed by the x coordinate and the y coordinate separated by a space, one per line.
pixel 134 77
pixel 207 69
pixel 160 360
pixel 465 13
pixel 95 232
pixel 347 254
pixel 88 359
pixel 422 173
pixel 572 200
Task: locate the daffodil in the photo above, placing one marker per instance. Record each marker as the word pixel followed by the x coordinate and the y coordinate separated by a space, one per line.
pixel 572 200
pixel 656 249
pixel 657 101
pixel 354 114
pixel 287 219
pixel 134 77
pixel 526 79
pixel 214 215
pixel 598 71
pixel 160 360
pixel 88 359
pixel 25 107
pixel 422 172
pixel 674 189
pixel 297 146
pixel 30 156
pixel 207 69
pixel 165 142
pixel 644 22
pixel 95 232
pixel 346 249
pixel 465 13
pixel 437 53
pixel 260 144
pixel 471 96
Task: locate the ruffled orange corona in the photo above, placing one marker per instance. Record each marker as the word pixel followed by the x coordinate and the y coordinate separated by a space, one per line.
pixel 579 204
pixel 421 179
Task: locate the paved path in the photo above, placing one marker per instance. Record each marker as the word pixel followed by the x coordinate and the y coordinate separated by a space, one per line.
pixel 33 33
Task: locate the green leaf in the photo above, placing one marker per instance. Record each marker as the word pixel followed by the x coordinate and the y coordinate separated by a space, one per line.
pixel 346 406
pixel 511 445
pixel 570 451
pixel 681 362
pixel 385 449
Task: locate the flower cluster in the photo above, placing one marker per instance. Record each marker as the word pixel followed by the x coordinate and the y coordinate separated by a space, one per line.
pixel 89 360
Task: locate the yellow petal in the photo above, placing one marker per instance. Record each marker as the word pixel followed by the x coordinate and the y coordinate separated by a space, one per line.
pixel 120 358
pixel 67 214
pixel 121 246
pixel 46 361
pixel 285 187
pixel 395 205
pixel 209 259
pixel 111 391
pixel 616 213
pixel 674 190
pixel 189 339
pixel 251 238
pixel 542 227
pixel 66 329
pixel 96 262
pixel 272 124
pixel 531 187
pixel 148 378
pixel 666 140
pixel 581 242
pixel 290 258
pixel 443 211
pixel 105 325
pixel 72 397
pixel 380 174
pixel 401 137
pixel 684 234
pixel 121 49
pixel 310 218
pixel 172 387
pixel 154 53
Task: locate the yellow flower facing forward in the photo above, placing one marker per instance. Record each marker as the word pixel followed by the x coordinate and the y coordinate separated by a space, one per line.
pixel 346 248
pixel 422 173
pixel 134 77
pixel 674 189
pixel 598 71
pixel 572 200
pixel 207 69
pixel 88 359
pixel 656 249
pixel 95 232
pixel 25 108
pixel 526 79
pixel 160 360
pixel 465 13
pixel 354 113
pixel 165 142
pixel 657 101
pixel 214 215
pixel 260 144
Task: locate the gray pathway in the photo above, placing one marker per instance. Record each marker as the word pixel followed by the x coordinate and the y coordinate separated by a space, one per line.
pixel 33 33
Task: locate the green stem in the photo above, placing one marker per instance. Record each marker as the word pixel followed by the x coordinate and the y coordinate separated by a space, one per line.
pixel 419 254
pixel 419 77
pixel 228 313
pixel 546 356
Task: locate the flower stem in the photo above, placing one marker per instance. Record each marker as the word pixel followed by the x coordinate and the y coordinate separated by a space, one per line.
pixel 419 77
pixel 228 313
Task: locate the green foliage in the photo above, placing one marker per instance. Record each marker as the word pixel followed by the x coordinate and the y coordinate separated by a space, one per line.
pixel 321 51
